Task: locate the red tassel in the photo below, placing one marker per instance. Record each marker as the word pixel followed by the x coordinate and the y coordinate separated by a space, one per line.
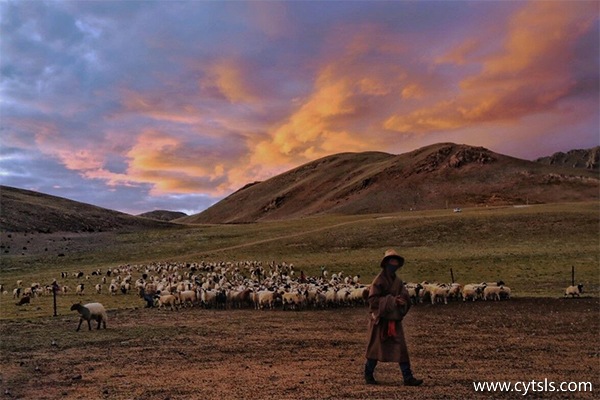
pixel 391 328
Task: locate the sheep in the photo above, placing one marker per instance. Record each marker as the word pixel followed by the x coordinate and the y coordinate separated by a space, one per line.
pixel 24 300
pixel 413 291
pixel 491 292
pixel 294 299
pixel 574 291
pixel 113 289
pixel 89 312
pixel 80 288
pixel 187 296
pixel 437 292
pixel 266 298
pixel 16 293
pixel 98 288
pixel 504 292
pixel 208 298
pixel 455 291
pixel 166 300
pixel 470 292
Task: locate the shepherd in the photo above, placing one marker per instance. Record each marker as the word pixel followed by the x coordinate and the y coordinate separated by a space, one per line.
pixel 389 302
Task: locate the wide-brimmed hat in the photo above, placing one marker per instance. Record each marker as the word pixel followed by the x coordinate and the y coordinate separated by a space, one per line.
pixel 391 253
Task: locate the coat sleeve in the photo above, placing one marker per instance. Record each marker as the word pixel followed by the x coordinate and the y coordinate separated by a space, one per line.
pixel 380 304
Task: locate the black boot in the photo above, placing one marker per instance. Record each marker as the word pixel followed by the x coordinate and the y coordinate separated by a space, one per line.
pixel 409 379
pixel 369 370
pixel 412 381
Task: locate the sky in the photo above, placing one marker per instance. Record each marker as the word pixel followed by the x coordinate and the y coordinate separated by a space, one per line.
pixel 143 105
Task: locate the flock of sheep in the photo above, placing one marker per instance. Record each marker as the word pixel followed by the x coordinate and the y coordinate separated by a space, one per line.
pixel 243 284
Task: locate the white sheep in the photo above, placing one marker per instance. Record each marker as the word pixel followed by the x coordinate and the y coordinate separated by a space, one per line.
pixel 89 312
pixel 574 290
pixel 187 296
pixel 491 292
pixel 98 288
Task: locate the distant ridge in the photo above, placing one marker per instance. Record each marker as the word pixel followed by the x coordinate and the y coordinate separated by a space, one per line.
pixel 163 215
pixel 437 176
pixel 582 158
pixel 28 211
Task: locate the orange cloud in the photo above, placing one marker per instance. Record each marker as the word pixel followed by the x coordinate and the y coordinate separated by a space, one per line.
pixel 348 91
pixel 173 165
pixel 530 75
pixel 228 78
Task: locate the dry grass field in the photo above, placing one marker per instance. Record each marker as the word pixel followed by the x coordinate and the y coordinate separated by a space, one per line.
pixel 248 354
pixel 313 354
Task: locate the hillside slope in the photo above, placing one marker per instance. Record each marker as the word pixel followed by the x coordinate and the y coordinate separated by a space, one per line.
pixel 436 176
pixel 28 211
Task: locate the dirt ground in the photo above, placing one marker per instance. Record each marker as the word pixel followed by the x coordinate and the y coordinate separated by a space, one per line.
pixel 248 354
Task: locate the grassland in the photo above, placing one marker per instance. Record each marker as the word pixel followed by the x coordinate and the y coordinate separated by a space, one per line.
pixel 531 248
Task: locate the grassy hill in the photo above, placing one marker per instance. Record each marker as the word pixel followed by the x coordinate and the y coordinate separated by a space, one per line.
pixel 440 176
pixel 28 211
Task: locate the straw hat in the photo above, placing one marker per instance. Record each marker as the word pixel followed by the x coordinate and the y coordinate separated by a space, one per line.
pixel 391 253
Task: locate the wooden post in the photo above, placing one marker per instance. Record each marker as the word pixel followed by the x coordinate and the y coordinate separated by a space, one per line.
pixel 452 275
pixel 572 275
pixel 55 289
pixel 54 298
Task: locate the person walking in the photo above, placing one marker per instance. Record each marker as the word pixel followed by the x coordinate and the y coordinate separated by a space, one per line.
pixel 388 304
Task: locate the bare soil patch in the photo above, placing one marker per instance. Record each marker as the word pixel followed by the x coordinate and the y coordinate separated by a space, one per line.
pixel 196 353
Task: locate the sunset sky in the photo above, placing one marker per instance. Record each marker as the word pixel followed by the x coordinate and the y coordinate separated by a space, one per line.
pixel 136 106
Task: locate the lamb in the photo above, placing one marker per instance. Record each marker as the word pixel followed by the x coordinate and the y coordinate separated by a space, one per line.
pixel 89 312
pixel 574 291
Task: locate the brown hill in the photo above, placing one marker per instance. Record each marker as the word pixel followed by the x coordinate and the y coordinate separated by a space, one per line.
pixel 437 176
pixel 163 215
pixel 586 158
pixel 28 211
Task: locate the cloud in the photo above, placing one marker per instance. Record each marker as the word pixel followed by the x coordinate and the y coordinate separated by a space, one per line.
pixel 228 78
pixel 531 74
pixel 188 101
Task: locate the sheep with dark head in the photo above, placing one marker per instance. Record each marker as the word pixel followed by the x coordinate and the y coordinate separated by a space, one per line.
pixel 89 312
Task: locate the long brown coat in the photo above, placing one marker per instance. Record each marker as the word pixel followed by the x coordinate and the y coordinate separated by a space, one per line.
pixel 382 309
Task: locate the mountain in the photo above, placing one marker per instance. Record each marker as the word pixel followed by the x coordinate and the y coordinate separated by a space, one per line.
pixel 586 158
pixel 163 215
pixel 436 176
pixel 28 211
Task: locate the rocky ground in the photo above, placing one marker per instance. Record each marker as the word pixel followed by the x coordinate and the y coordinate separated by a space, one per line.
pixel 248 354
